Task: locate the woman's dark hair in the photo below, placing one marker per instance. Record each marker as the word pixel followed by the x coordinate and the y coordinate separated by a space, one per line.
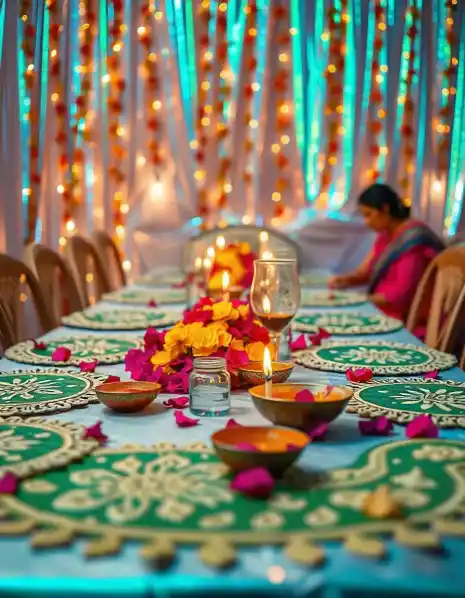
pixel 379 195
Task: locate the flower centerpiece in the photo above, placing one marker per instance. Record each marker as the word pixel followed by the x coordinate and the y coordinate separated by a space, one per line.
pixel 237 259
pixel 210 329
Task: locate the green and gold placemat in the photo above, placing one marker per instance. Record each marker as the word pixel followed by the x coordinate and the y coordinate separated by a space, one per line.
pixel 328 298
pixel 402 400
pixel 32 445
pixel 380 356
pixel 341 322
pixel 144 296
pixel 152 279
pixel 46 391
pixel 165 496
pixel 86 348
pixel 120 319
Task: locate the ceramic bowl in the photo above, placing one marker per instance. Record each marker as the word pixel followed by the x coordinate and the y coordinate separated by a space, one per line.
pixel 277 447
pixel 252 373
pixel 281 408
pixel 234 292
pixel 127 397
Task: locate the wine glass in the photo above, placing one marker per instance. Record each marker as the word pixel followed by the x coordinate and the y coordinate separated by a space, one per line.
pixel 275 295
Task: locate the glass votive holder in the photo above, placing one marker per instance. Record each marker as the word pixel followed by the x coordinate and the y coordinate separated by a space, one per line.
pixel 210 387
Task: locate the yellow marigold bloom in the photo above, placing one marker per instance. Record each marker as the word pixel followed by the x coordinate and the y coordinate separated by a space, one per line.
pixel 224 338
pixel 215 282
pixel 237 344
pixel 176 338
pixel 222 310
pixel 205 342
pixel 244 248
pixel 192 332
pixel 228 259
pixel 255 351
pixel 160 358
pixel 243 310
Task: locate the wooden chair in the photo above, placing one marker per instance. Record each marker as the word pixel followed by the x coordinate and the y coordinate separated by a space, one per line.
pixel 17 285
pixel 441 288
pixel 55 278
pixel 109 255
pixel 89 269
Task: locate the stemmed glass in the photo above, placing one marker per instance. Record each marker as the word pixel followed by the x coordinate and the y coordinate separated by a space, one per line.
pixel 275 295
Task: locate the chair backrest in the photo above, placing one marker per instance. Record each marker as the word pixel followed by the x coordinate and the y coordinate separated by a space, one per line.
pixel 55 278
pixel 440 289
pixel 278 243
pixel 89 269
pixel 17 285
pixel 109 255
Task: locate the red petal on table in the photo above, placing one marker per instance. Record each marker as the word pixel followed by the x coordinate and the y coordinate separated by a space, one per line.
pixel 232 423
pixel 38 345
pixel 95 431
pixel 61 354
pixel 8 483
pixel 315 339
pixel 152 303
pixel 292 447
pixel 318 431
pixel 421 427
pixel 177 403
pixel 359 374
pixel 380 426
pixel 256 483
pixel 246 446
pixel 331 296
pixel 329 389
pixel 113 379
pixel 322 333
pixel 179 285
pixel 88 366
pixel 184 422
pixel 299 344
pixel 431 375
pixel 304 396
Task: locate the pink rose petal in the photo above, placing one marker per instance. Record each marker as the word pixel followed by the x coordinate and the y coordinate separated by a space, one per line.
pixel 317 431
pixel 152 303
pixel 292 447
pixel 315 339
pixel 38 345
pixel 177 403
pixel 113 379
pixel 380 426
pixel 431 375
pixel 299 344
pixel 421 427
pixel 256 483
pixel 184 422
pixel 95 431
pixel 304 396
pixel 88 366
pixel 323 334
pixel 232 423
pixel 61 354
pixel 8 483
pixel 246 446
pixel 359 374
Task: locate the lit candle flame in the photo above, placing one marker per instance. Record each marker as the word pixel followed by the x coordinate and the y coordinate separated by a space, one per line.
pixel 211 252
pixel 207 263
pixel 198 264
pixel 220 242
pixel 266 304
pixel 267 368
pixel 225 280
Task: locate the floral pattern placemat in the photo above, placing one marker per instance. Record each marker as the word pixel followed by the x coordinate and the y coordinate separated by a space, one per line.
pixel 145 296
pixel 120 319
pixel 107 350
pixel 46 391
pixel 329 298
pixel 164 496
pixel 342 322
pixel 380 356
pixel 32 445
pixel 402 400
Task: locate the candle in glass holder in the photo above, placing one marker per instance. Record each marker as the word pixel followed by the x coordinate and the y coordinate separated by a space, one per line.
pixel 268 371
pixel 225 280
pixel 207 267
pixel 220 242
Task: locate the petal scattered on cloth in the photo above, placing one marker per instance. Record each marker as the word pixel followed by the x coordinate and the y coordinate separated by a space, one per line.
pixel 421 427
pixel 232 423
pixel 359 374
pixel 292 447
pixel 112 378
pixel 381 426
pixel 256 483
pixel 315 339
pixel 95 431
pixel 8 483
pixel 152 303
pixel 323 333
pixel 304 396
pixel 318 431
pixel 38 345
pixel 177 403
pixel 88 366
pixel 299 344
pixel 431 375
pixel 61 354
pixel 182 421
pixel 246 446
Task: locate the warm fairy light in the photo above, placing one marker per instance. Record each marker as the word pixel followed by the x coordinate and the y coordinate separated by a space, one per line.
pixel 141 160
pixel 246 219
pixel 53 53
pixel 106 78
pixel 332 160
pixel 379 78
pixel 227 187
pixel 152 57
pixel 89 277
pixel 120 131
pixel 255 86
pixel 381 113
pixel 252 32
pixel 276 196
pixel 208 108
pixel 284 109
pixel 220 242
pixel 283 57
pixel 382 26
pixel 27 191
pixel 62 241
pixel 54 97
pixel 120 230
pixel 325 36
pixel 205 85
pixel 285 139
pixel 127 265
pixel 401 99
pixel 124 209
pixel 60 189
pixel 194 144
pixel 158 15
pixel 205 121
pixel 455 61
pixel 275 148
pixel 293 31
pixel 117 47
pixel 253 124
pixel 141 30
pixel 332 68
pixel 384 68
pixel 210 253
pixel 263 236
pixel 208 56
pixel 341 130
pixel 156 105
pixel 70 226
pixel 384 150
pixel 199 175
pixel 437 186
pixel 223 7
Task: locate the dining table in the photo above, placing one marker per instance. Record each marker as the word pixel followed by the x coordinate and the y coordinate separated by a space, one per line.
pixel 261 571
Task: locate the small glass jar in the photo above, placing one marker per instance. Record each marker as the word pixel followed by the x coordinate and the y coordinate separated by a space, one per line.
pixel 210 387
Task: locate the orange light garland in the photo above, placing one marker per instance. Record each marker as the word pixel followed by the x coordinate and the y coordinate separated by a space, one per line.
pixel 334 109
pixel 378 72
pixel 116 129
pixel 283 107
pixel 407 128
pixel 203 112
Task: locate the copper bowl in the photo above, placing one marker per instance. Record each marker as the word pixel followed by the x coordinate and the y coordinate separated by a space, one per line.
pixel 281 408
pixel 127 397
pixel 272 443
pixel 252 373
pixel 234 292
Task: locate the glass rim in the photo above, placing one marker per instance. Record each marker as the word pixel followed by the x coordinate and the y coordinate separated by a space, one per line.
pixel 276 260
pixel 209 363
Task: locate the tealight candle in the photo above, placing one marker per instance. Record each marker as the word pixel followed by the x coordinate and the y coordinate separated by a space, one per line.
pixel 220 242
pixel 225 280
pixel 268 371
pixel 211 253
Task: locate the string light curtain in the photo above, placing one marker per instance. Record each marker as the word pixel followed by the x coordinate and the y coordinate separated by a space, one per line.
pixel 207 112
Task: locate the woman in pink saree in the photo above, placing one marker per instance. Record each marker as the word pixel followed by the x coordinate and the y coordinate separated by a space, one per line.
pixel 400 254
